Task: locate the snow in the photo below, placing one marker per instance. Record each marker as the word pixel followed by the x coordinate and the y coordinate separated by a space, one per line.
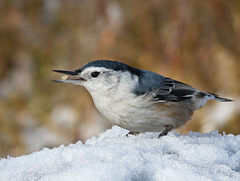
pixel 113 156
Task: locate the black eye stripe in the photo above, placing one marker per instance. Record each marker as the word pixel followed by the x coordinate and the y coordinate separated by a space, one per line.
pixel 95 74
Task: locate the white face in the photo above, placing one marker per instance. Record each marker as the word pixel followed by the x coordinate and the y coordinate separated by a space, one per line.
pixel 99 79
pixel 102 82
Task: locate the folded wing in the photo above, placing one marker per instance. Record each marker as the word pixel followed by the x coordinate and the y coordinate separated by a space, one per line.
pixel 164 89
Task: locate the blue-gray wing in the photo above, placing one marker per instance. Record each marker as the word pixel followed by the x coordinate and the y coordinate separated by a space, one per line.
pixel 162 88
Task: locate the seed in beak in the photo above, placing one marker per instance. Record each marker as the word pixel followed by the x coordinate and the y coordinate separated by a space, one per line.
pixel 65 77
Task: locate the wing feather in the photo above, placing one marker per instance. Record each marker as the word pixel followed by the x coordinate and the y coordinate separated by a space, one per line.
pixel 164 89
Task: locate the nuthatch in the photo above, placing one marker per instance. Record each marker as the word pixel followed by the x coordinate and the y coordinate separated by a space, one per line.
pixel 138 100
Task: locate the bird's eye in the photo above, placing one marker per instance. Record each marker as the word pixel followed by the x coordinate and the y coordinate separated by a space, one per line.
pixel 95 74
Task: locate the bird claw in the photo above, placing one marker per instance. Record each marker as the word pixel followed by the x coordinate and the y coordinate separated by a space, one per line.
pixel 165 132
pixel 132 133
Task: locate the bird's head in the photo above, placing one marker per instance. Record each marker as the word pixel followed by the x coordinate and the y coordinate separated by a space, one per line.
pixel 102 76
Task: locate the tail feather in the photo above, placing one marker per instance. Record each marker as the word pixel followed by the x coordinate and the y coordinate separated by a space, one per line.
pixel 221 99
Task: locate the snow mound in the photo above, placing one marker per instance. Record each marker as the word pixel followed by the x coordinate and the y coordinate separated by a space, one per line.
pixel 113 156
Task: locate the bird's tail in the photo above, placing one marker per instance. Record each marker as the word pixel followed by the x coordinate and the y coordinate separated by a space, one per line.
pixel 221 99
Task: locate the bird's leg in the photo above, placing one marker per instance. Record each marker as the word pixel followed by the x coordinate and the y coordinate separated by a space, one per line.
pixel 165 132
pixel 132 133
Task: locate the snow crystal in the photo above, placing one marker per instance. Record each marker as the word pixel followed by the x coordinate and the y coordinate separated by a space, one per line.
pixel 113 156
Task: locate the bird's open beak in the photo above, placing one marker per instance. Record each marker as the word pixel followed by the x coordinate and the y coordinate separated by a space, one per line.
pixel 67 79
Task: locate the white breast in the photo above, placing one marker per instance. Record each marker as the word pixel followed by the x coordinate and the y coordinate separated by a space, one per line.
pixel 137 113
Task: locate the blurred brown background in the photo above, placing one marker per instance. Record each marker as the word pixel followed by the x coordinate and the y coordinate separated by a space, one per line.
pixel 197 42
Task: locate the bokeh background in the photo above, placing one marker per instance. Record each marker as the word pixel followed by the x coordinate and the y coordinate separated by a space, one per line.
pixel 197 42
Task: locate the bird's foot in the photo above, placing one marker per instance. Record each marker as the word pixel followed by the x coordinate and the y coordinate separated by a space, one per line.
pixel 165 132
pixel 132 133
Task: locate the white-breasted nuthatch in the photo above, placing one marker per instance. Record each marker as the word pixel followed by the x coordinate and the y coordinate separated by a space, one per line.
pixel 138 100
